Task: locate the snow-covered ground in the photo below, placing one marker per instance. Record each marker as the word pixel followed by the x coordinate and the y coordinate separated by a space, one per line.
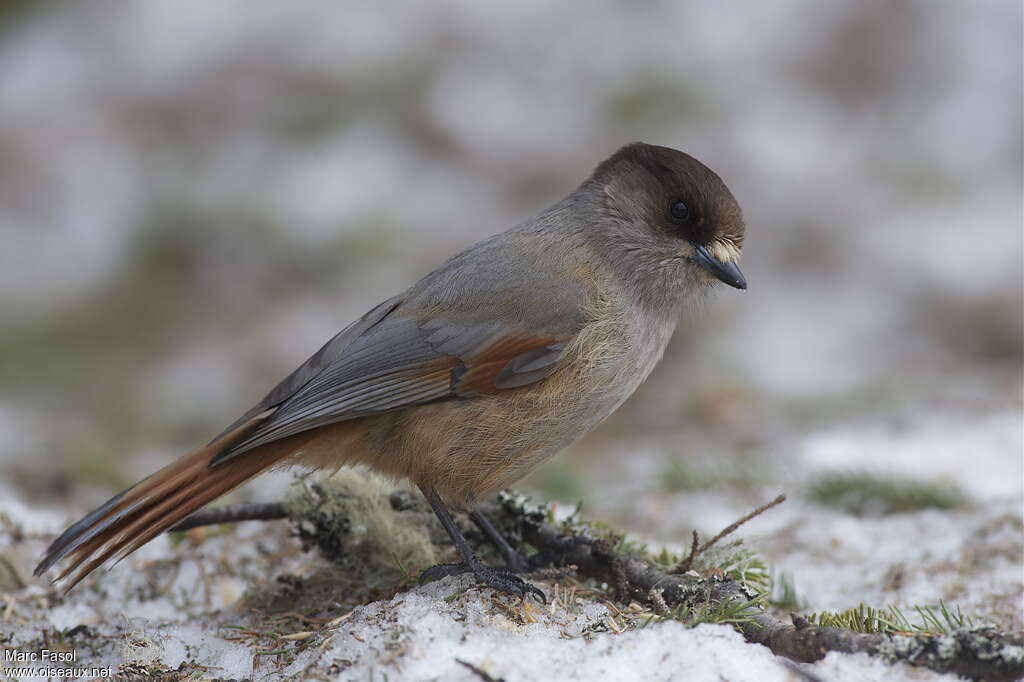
pixel 186 608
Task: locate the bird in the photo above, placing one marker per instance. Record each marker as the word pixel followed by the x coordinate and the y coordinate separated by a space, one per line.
pixel 479 372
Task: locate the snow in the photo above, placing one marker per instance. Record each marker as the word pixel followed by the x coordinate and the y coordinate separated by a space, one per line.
pixel 969 557
pixel 442 637
pixel 942 448
pixel 424 634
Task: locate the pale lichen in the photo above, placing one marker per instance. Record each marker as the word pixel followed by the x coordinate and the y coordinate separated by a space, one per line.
pixel 350 515
pixel 982 643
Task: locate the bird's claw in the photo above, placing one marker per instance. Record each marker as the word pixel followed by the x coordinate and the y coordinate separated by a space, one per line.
pixel 502 579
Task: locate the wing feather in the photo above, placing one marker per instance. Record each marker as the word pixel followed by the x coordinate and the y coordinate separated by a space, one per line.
pixel 399 361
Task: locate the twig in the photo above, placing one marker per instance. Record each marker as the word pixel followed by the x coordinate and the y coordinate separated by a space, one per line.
pixel 232 514
pixel 687 563
pixel 479 672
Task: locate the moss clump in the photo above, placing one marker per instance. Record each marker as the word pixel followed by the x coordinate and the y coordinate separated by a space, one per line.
pixel 349 517
pixel 867 493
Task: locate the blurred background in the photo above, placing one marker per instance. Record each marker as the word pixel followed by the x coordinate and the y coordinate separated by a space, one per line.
pixel 194 196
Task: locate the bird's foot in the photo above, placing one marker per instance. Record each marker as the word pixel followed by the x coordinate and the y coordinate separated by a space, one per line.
pixel 503 579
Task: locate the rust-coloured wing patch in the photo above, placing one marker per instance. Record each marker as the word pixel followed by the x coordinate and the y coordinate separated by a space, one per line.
pixel 510 362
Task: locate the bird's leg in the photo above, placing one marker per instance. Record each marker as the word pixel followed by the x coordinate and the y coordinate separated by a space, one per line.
pixel 514 561
pixel 499 579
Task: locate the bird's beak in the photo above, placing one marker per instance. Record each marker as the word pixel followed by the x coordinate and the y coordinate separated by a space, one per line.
pixel 727 272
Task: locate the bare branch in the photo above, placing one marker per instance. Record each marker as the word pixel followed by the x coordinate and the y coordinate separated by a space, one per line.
pixel 232 514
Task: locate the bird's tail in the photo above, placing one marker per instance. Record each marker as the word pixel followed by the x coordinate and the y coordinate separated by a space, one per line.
pixel 135 516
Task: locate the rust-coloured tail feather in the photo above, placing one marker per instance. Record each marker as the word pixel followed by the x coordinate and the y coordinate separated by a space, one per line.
pixel 134 517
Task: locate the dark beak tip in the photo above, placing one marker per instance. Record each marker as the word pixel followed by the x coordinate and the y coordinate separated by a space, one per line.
pixel 728 273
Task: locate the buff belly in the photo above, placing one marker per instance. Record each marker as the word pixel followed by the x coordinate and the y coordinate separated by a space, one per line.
pixel 466 449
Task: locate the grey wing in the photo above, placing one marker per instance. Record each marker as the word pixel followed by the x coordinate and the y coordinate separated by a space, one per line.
pixel 331 350
pixel 400 361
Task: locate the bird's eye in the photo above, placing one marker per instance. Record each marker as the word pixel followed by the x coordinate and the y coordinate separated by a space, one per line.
pixel 679 211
